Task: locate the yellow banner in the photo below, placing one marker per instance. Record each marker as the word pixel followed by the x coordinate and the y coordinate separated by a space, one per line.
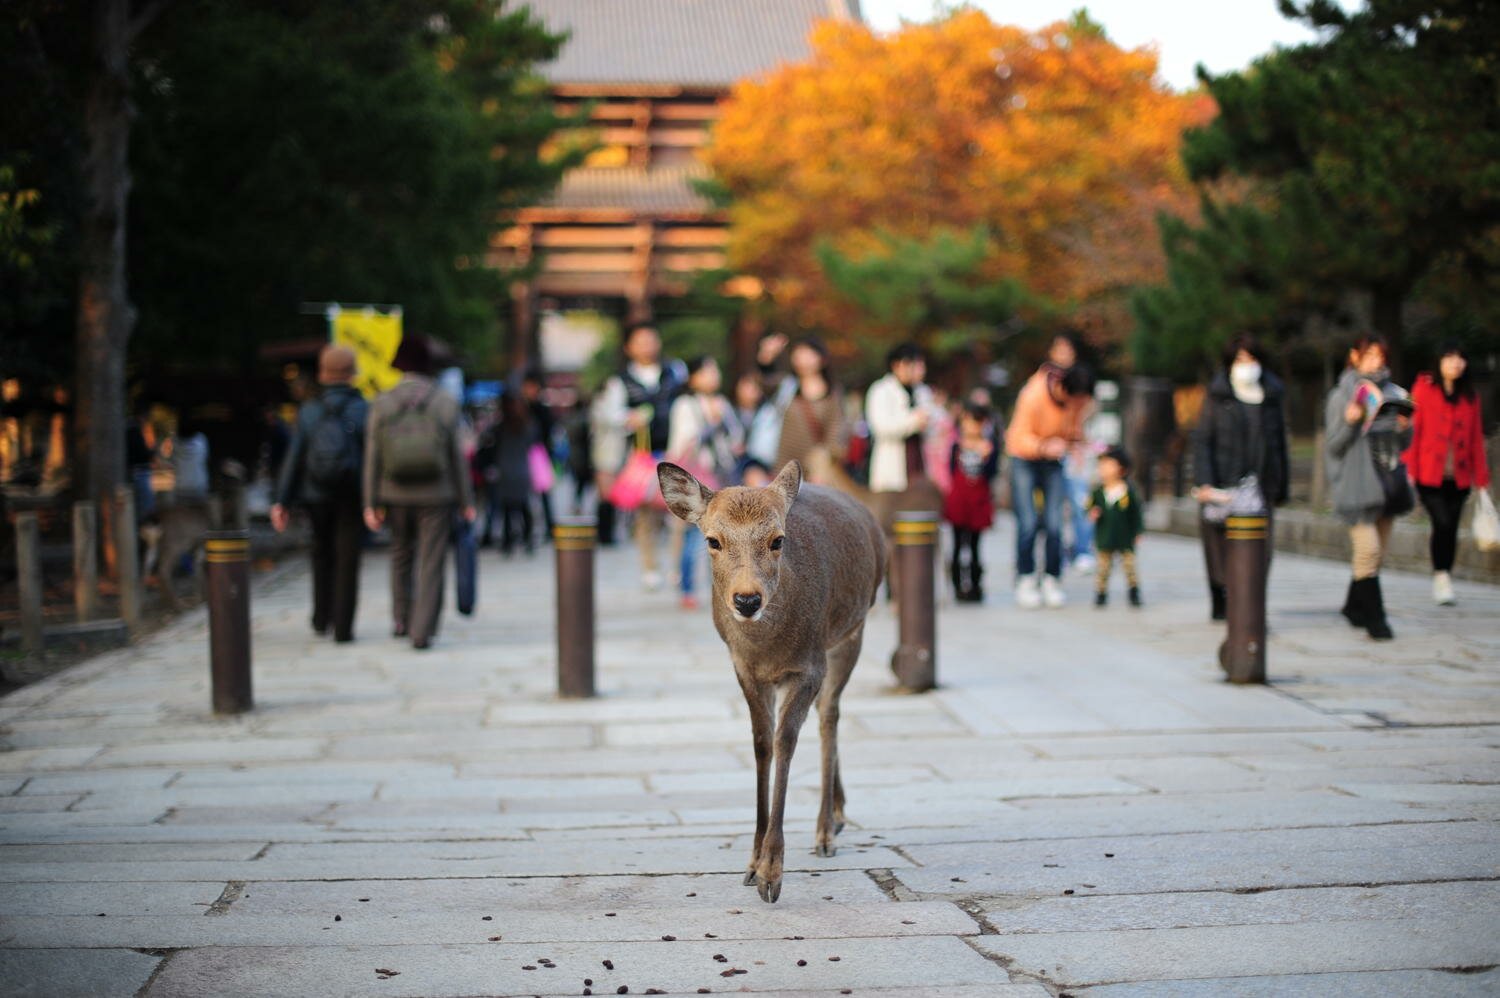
pixel 374 337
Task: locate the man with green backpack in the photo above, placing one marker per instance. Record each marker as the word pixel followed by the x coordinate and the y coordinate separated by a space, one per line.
pixel 415 476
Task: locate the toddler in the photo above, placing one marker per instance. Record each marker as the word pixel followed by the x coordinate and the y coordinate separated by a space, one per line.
pixel 1116 512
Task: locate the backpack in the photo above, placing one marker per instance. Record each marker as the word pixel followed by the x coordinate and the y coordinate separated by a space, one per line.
pixel 333 451
pixel 413 444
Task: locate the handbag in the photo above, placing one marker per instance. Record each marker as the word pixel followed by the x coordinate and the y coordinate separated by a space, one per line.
pixel 1390 470
pixel 636 484
pixel 539 463
pixel 1486 525
pixel 465 565
pixel 1244 499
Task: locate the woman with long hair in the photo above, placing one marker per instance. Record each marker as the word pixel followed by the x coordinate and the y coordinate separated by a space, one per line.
pixel 1446 457
pixel 812 425
pixel 1362 425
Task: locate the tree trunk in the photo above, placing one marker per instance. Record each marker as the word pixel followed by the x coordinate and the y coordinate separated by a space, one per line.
pixel 1386 303
pixel 105 315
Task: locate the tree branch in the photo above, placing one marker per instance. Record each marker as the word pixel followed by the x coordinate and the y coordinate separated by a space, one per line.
pixel 143 18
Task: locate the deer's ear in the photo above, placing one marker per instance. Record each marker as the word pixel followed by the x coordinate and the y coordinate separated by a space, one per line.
pixel 788 482
pixel 685 495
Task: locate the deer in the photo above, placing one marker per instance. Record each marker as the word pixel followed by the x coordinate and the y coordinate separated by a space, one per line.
pixel 795 570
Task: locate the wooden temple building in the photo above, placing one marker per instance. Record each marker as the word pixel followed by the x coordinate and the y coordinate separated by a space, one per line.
pixel 626 228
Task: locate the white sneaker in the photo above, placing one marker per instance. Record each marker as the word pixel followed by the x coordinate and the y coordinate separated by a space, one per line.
pixel 1085 563
pixel 1442 589
pixel 1052 593
pixel 651 581
pixel 1027 596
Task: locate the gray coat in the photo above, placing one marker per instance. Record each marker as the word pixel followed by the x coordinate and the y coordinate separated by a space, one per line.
pixel 453 486
pixel 1352 481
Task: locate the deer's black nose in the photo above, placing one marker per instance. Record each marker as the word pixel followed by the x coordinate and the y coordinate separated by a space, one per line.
pixel 748 604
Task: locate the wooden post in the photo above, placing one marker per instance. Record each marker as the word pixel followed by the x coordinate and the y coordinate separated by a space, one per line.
pixel 85 560
pixel 573 541
pixel 127 557
pixel 29 579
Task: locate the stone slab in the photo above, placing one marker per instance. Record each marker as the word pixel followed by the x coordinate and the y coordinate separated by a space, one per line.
pixel 114 899
pixel 69 973
pixel 1376 984
pixel 498 968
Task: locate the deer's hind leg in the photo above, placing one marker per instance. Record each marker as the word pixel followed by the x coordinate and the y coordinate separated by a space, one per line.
pixel 841 660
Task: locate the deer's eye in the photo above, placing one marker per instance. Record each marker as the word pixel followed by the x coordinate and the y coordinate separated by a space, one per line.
pixel 713 544
pixel 776 543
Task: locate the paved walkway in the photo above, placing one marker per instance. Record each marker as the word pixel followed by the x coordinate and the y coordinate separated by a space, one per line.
pixel 1084 808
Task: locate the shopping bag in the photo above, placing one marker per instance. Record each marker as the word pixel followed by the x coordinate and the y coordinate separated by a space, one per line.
pixel 1486 523
pixel 636 484
pixel 465 565
pixel 539 462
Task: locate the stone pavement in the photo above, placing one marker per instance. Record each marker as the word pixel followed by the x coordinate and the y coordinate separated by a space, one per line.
pixel 1084 808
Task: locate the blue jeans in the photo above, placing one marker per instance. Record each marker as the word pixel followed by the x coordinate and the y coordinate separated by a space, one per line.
pixel 1083 527
pixel 692 547
pixel 1026 477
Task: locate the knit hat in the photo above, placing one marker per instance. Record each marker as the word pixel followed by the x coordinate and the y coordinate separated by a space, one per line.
pixel 336 365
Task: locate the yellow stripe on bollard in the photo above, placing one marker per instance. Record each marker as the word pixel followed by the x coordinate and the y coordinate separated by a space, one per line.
pixel 574 538
pixel 1245 528
pixel 911 533
pixel 219 551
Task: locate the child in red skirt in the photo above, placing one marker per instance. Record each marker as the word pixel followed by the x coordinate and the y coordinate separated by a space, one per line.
pixel 970 504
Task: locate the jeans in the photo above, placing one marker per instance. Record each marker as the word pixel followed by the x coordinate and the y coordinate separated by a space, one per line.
pixel 692 548
pixel 1026 477
pixel 1445 504
pixel 1083 528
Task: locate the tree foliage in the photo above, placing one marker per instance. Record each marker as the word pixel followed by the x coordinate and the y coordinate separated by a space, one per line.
pixel 1062 145
pixel 1374 158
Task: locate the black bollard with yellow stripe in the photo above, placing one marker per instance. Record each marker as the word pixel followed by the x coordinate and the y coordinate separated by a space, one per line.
pixel 226 556
pixel 914 662
pixel 1243 653
pixel 573 540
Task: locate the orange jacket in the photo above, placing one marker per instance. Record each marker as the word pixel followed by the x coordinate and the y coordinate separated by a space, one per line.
pixel 1039 417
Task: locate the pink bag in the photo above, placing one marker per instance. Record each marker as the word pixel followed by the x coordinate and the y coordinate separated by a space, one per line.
pixel 636 484
pixel 540 465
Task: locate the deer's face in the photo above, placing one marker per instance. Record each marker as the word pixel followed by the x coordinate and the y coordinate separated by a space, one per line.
pixel 744 530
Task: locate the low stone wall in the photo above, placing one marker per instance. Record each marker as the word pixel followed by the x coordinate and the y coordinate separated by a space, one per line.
pixel 1322 535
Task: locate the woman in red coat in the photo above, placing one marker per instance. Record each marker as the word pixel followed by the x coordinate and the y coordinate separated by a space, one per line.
pixel 1446 456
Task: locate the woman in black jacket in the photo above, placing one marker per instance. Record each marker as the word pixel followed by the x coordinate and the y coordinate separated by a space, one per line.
pixel 1242 432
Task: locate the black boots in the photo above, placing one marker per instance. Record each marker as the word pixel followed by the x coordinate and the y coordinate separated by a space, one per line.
pixel 1218 601
pixel 966 582
pixel 1365 608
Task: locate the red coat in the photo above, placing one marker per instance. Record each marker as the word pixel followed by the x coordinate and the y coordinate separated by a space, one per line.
pixel 1439 423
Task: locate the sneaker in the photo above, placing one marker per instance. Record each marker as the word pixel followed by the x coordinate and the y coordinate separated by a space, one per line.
pixel 1101 599
pixel 1052 593
pixel 1027 596
pixel 651 581
pixel 1442 589
pixel 1135 596
pixel 1085 563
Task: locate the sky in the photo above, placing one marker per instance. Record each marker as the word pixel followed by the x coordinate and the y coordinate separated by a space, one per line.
pixel 1224 35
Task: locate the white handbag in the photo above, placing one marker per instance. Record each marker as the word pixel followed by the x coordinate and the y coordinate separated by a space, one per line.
pixel 1486 523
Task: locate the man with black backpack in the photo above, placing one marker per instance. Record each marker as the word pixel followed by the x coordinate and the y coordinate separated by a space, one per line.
pixel 321 472
pixel 415 476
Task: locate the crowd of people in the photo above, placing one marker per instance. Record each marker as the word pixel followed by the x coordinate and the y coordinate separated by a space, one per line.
pixel 412 462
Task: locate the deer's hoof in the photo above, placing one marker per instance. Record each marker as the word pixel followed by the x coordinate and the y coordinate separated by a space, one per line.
pixel 770 890
pixel 825 849
pixel 750 877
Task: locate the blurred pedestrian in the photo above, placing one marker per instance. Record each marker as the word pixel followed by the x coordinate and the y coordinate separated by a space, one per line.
pixel 1446 457
pixel 702 441
pixel 1063 354
pixel 322 472
pixel 544 425
pixel 635 407
pixel 898 408
pixel 1115 510
pixel 515 435
pixel 1364 423
pixel 1240 441
pixel 1048 419
pixel 415 475
pixel 812 414
pixel 759 422
pixel 970 504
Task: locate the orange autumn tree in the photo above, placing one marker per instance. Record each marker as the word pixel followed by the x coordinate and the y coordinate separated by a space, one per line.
pixel 1058 142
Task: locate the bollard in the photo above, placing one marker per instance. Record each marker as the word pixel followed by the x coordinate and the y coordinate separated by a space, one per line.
pixel 1243 653
pixel 29 581
pixel 226 557
pixel 914 661
pixel 573 540
pixel 127 557
pixel 85 561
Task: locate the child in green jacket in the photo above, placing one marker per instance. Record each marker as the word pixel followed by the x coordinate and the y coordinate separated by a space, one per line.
pixel 1116 512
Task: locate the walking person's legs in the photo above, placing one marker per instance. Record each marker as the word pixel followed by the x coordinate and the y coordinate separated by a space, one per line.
pixel 1132 579
pixel 976 568
pixel 1214 553
pixel 646 522
pixel 402 522
pixel 1366 606
pixel 1444 505
pixel 348 533
pixel 956 566
pixel 1081 550
pixel 528 526
pixel 1023 485
pixel 321 518
pixel 1101 577
pixel 433 527
pixel 1052 523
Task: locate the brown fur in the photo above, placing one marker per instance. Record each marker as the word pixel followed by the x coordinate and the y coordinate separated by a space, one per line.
pixel 805 638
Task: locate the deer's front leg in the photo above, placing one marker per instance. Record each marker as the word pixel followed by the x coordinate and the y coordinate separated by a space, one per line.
pixel 761 702
pixel 794 709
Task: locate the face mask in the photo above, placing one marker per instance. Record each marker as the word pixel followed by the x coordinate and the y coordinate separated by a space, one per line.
pixel 1245 374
